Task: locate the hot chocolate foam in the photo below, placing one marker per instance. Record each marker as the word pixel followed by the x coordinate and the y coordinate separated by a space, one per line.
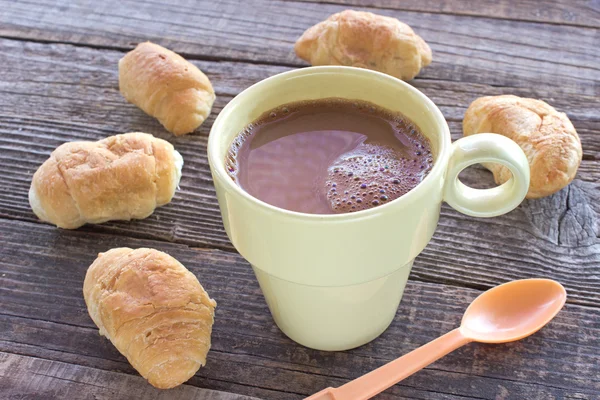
pixel 371 175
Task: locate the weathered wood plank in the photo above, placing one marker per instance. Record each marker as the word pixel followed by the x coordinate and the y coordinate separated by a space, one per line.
pixel 562 12
pixel 46 78
pixel 43 315
pixel 78 86
pixel 30 377
pixel 70 93
pixel 466 49
pixel 123 366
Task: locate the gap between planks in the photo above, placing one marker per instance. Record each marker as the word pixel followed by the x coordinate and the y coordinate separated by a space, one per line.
pixel 500 10
pixel 125 49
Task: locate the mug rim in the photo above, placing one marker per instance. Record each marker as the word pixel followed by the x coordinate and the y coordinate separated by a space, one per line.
pixel 218 165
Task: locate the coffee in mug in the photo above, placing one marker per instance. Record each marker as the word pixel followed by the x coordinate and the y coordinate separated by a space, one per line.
pixel 329 156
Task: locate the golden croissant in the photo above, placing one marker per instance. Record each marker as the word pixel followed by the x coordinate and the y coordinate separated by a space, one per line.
pixel 166 86
pixel 153 310
pixel 365 40
pixel 121 177
pixel 547 137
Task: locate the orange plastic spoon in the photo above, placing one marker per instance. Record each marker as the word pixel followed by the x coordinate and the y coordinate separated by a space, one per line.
pixel 506 313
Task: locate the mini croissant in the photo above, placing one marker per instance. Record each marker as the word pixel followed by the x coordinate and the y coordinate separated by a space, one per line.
pixel 153 310
pixel 365 40
pixel 547 137
pixel 166 86
pixel 121 177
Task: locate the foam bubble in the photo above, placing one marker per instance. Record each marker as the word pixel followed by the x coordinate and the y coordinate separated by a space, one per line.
pixel 384 172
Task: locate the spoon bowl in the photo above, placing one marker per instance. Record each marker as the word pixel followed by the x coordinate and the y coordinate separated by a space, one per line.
pixel 513 311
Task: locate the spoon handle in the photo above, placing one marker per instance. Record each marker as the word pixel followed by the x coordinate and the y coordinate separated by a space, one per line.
pixel 393 372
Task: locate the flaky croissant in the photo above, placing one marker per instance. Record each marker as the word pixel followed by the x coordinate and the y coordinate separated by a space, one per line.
pixel 153 310
pixel 365 40
pixel 166 86
pixel 121 177
pixel 547 137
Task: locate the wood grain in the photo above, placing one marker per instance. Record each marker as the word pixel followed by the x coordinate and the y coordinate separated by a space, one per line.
pixel 563 12
pixel 71 93
pixel 59 83
pixel 465 49
pixel 44 316
pixel 30 377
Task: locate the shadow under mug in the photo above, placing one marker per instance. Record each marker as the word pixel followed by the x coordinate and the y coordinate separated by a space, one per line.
pixel 334 282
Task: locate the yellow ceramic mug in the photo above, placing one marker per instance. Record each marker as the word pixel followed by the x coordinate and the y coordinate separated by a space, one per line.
pixel 334 282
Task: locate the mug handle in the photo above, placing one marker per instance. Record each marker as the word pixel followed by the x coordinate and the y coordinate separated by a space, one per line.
pixel 485 148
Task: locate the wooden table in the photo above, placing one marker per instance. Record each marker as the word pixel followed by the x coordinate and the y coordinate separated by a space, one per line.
pixel 58 83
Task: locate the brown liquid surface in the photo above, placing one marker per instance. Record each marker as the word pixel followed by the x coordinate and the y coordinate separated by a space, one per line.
pixel 329 156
